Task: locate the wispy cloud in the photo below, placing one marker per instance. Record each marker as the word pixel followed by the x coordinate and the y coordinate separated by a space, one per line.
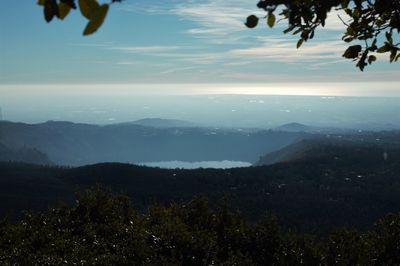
pixel 145 49
pixel 271 48
pixel 237 63
pixel 200 58
pixel 216 21
pixel 104 44
pixel 331 62
pixel 174 70
pixel 215 17
pixel 283 50
pixel 126 63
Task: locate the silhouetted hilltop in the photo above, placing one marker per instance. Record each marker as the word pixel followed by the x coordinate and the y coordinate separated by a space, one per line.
pixel 289 153
pixel 293 127
pixel 333 149
pixel 23 154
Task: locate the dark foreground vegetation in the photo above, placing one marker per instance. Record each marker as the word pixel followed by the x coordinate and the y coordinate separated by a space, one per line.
pixel 104 229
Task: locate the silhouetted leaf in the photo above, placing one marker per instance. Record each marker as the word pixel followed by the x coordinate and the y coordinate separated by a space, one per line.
pixel 385 48
pixel 297 31
pixel 348 39
pixel 393 54
pixel 352 52
pixel 97 19
pixel 50 10
pixel 299 43
pixel 312 34
pixel 371 59
pixel 271 20
pixel 289 29
pixel 70 3
pixel 361 64
pixel 63 10
pixel 88 8
pixel 251 21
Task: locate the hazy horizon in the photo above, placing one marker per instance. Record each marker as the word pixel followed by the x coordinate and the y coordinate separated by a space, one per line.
pixel 118 105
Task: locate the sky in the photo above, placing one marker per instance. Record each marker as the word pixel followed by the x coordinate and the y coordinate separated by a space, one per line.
pixel 185 47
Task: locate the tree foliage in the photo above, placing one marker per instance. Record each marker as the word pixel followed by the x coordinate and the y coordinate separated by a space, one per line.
pixel 373 25
pixel 104 229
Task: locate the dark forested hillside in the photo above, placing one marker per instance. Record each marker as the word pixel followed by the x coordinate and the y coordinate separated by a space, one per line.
pixel 354 187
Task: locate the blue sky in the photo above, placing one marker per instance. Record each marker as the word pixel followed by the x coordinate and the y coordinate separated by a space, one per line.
pixel 174 42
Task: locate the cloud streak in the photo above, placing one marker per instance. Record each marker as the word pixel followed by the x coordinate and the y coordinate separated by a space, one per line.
pixel 283 50
pixel 215 17
pixel 145 49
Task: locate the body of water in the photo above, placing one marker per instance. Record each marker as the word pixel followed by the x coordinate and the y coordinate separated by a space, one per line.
pixel 193 165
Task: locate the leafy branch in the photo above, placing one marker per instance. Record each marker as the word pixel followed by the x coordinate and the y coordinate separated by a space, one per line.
pixel 369 22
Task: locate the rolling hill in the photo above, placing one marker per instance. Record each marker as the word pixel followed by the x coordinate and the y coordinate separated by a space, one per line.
pixel 68 143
